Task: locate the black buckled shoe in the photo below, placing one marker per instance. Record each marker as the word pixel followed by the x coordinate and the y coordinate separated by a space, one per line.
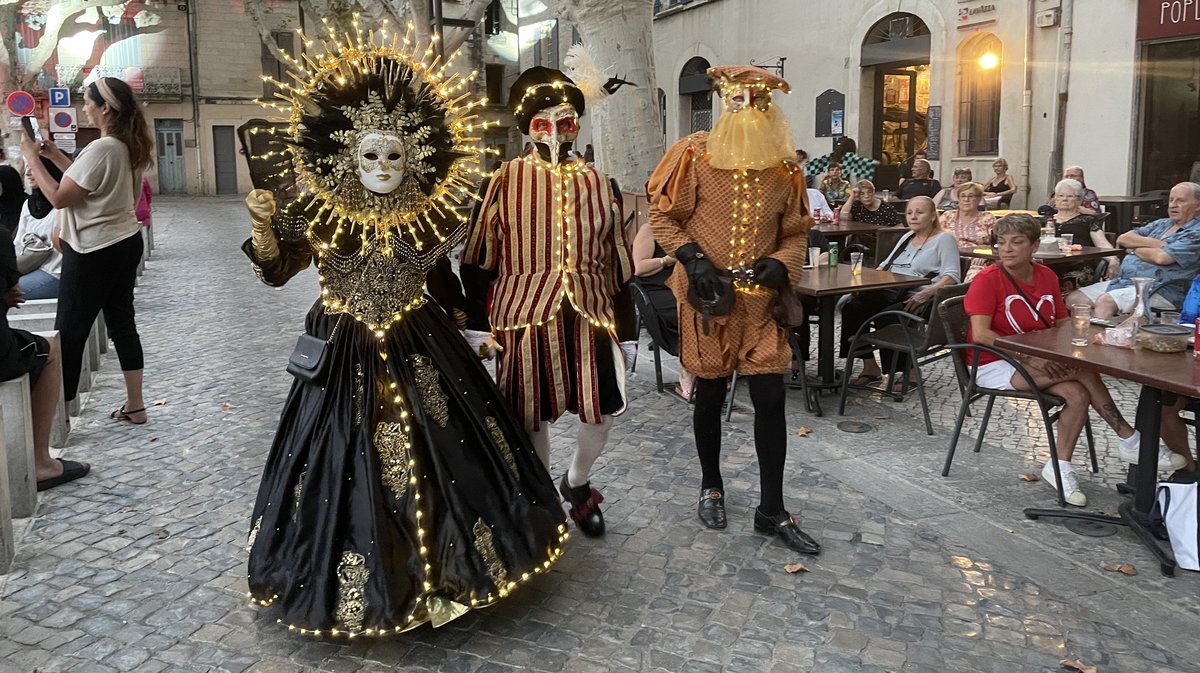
pixel 711 507
pixel 785 526
pixel 585 507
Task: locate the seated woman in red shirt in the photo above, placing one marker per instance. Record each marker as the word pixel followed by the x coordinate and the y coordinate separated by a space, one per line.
pixel 1017 296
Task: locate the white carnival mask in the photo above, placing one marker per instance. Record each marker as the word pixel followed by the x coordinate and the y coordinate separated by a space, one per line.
pixel 740 98
pixel 555 127
pixel 380 162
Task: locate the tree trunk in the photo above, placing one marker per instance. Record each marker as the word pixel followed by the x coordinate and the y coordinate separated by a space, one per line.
pixel 627 127
pixel 58 15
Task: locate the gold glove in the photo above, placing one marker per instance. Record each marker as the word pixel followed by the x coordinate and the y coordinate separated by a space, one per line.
pixel 261 204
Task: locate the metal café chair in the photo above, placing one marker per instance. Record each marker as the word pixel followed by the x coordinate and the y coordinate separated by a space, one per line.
pixel 922 339
pixel 966 367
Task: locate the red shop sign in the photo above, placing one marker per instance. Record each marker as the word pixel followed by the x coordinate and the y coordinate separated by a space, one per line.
pixel 1158 19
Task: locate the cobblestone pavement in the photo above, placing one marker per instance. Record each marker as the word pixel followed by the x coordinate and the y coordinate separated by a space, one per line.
pixel 140 567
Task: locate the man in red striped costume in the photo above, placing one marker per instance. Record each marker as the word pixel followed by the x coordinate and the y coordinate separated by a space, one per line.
pixel 545 269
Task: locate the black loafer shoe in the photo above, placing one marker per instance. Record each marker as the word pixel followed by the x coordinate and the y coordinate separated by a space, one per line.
pixel 585 507
pixel 787 529
pixel 711 507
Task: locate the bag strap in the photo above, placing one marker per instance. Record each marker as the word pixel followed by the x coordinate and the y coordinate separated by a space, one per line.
pixel 903 244
pixel 1032 306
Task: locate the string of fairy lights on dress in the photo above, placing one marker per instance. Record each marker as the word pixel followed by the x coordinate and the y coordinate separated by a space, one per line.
pixel 362 226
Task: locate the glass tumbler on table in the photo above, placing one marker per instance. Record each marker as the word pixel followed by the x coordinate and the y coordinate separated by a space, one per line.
pixel 856 261
pixel 1065 241
pixel 1081 316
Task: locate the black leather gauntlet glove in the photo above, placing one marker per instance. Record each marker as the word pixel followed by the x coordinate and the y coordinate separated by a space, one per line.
pixel 701 273
pixel 770 272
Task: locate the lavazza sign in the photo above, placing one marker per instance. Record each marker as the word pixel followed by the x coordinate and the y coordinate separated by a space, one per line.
pixel 971 16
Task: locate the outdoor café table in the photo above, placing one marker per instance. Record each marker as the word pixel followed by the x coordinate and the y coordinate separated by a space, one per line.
pixel 827 283
pixel 1002 212
pixel 1177 373
pixel 1051 260
pixel 1123 207
pixel 846 228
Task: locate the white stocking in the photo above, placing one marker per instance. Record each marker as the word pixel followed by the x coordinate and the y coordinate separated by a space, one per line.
pixel 591 440
pixel 541 443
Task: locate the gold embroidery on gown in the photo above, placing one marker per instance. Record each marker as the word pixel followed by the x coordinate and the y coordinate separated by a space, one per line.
pixel 351 583
pixel 487 550
pixel 501 443
pixel 433 400
pixel 296 490
pixel 391 441
pixel 359 395
pixel 253 533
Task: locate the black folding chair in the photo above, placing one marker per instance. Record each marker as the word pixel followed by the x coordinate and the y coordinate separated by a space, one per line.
pixel 966 368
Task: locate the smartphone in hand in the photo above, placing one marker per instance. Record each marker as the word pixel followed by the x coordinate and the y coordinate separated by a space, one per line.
pixel 30 124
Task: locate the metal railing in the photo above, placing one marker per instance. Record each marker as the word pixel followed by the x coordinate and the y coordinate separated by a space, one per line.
pixel 152 83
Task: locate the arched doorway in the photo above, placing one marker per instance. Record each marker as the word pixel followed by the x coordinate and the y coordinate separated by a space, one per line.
pixel 895 62
pixel 695 93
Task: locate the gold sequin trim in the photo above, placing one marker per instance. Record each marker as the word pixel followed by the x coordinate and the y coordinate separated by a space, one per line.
pixel 391 442
pixel 375 287
pixel 433 400
pixel 296 491
pixel 501 443
pixel 487 550
pixel 359 395
pixel 253 534
pixel 352 583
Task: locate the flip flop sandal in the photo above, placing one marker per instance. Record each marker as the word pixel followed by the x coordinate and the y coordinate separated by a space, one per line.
pixel 122 414
pixel 71 471
pixel 865 379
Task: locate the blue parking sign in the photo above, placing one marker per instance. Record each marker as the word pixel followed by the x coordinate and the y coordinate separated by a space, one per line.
pixel 60 96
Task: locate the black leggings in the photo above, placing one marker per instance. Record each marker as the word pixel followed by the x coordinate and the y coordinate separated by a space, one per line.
pixel 91 282
pixel 770 434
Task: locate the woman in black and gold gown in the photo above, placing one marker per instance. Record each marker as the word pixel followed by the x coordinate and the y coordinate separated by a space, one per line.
pixel 400 490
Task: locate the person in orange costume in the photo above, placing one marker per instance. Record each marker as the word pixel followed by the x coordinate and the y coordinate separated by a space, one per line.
pixel 731 206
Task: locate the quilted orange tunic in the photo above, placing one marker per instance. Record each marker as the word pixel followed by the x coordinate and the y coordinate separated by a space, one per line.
pixel 736 217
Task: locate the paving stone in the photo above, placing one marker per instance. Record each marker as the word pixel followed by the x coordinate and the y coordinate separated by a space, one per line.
pixel 140 566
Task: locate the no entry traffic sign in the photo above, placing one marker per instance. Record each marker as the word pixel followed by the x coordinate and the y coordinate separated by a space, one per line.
pixel 21 103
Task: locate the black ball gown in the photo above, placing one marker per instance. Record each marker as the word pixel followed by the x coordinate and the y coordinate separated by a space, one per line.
pixel 403 491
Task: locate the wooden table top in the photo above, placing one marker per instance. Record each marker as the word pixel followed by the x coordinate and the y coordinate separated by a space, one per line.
pixel 1001 213
pixel 1130 199
pixel 836 280
pixel 1088 252
pixel 1172 372
pixel 846 227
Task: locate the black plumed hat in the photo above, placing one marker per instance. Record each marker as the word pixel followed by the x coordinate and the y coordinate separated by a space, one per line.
pixel 539 88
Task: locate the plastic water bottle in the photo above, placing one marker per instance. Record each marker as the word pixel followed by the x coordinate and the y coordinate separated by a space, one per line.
pixel 833 253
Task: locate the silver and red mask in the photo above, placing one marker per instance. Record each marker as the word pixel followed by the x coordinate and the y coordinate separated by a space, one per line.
pixel 555 127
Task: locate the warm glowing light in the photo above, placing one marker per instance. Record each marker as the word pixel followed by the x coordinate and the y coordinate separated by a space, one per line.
pixel 989 61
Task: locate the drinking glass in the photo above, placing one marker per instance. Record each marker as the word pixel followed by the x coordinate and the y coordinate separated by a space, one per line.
pixel 1081 315
pixel 1169 317
pixel 856 263
pixel 1065 241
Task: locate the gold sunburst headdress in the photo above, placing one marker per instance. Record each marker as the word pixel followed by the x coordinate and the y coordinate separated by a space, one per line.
pixel 348 86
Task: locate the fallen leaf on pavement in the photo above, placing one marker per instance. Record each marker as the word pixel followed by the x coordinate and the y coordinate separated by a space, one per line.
pixel 804 431
pixel 1077 665
pixel 158 403
pixel 162 534
pixel 1118 567
pixel 796 567
pixel 227 406
pixel 1028 477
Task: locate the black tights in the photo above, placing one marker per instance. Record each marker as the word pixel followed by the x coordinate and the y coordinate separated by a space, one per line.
pixel 770 434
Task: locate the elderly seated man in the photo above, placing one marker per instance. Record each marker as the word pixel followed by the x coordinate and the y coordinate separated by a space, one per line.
pixel 1167 250
pixel 1089 204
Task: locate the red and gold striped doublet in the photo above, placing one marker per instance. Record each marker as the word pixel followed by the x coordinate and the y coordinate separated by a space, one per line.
pixel 551 235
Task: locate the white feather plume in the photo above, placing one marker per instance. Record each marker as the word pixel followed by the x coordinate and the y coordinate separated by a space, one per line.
pixel 580 65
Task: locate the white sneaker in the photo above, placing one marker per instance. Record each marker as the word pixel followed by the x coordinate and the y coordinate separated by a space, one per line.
pixel 1071 490
pixel 1129 448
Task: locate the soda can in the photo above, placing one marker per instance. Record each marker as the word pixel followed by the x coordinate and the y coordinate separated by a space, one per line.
pixel 833 255
pixel 1196 339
